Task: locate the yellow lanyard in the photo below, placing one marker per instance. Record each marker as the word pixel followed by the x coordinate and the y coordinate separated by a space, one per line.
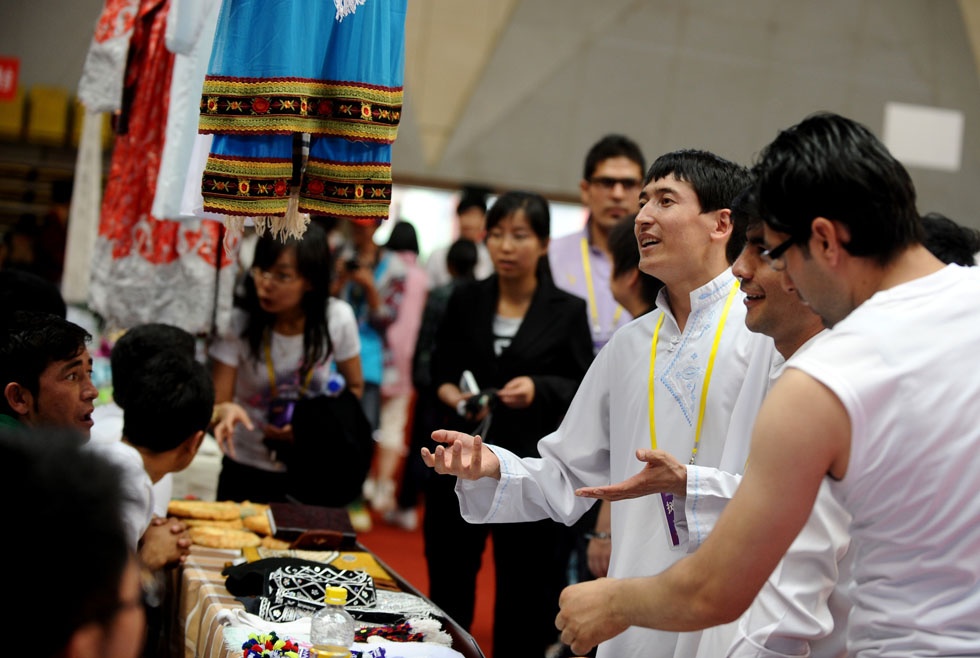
pixel 267 347
pixel 707 374
pixel 593 307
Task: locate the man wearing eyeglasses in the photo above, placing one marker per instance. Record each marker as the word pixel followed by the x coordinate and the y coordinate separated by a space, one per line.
pixel 883 407
pixel 580 262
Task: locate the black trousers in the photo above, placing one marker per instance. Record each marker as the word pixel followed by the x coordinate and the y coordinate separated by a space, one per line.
pixel 530 561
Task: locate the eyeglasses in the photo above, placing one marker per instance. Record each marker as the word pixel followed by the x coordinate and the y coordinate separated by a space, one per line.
pixel 774 257
pixel 609 184
pixel 277 278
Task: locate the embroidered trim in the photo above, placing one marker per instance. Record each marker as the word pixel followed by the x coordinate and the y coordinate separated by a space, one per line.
pixel 357 191
pixel 246 186
pixel 287 105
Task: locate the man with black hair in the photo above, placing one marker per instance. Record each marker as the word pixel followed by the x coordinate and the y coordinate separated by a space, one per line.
pixel 696 337
pixel 169 404
pixel 471 218
pixel 45 373
pixel 128 360
pixel 76 497
pixel 580 262
pixel 885 415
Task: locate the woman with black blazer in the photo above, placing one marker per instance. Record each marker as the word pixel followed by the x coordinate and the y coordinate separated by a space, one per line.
pixel 528 346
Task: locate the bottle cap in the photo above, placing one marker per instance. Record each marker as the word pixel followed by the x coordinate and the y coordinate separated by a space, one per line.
pixel 336 596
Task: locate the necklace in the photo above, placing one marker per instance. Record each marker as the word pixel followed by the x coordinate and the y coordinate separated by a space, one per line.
pixel 590 288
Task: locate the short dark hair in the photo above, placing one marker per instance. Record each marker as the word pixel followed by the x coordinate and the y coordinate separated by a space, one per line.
pixel 626 258
pixel 745 214
pixel 78 492
pixel 21 290
pixel 461 258
pixel 29 343
pixel 612 146
pixel 535 208
pixel 715 180
pixel 403 238
pixel 834 167
pixel 171 398
pixel 137 346
pixel 472 196
pixel 950 242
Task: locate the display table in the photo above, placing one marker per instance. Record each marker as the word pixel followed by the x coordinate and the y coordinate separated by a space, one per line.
pixel 200 596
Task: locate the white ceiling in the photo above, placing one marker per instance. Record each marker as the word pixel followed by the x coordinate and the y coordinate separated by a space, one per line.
pixel 513 92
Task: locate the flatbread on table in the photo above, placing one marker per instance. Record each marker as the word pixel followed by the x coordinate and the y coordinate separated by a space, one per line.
pixel 223 537
pixel 235 524
pixel 201 509
pixel 259 524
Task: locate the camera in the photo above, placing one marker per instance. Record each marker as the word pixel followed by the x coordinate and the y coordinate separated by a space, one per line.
pixel 281 412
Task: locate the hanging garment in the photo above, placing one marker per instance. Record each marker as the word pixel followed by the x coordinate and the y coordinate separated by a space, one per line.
pixel 282 67
pixel 100 87
pixel 147 268
pixel 190 33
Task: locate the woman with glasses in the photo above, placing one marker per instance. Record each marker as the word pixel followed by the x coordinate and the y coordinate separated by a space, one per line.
pixel 282 346
pixel 527 346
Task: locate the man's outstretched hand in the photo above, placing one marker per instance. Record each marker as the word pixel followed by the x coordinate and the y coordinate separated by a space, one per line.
pixel 662 473
pixel 462 455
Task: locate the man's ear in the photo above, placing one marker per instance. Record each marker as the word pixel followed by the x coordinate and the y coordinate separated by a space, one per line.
pixel 828 238
pixel 19 398
pixel 723 224
pixel 585 192
pixel 194 442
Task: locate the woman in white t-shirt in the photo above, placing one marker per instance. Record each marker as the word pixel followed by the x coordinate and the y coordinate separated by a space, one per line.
pixel 281 347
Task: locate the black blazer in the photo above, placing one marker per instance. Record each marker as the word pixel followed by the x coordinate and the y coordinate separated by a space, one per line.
pixel 553 346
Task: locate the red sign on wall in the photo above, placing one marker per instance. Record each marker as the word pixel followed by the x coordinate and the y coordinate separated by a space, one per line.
pixel 9 70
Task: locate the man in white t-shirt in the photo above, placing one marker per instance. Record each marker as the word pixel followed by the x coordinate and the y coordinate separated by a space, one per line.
pixel 882 405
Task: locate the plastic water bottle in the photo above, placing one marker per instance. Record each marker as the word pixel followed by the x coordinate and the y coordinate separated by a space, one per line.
pixel 334 385
pixel 332 627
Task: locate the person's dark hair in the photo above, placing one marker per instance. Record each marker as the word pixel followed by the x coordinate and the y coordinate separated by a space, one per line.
pixel 137 346
pixel 170 399
pixel 950 242
pixel 535 208
pixel 403 238
pixel 472 196
pixel 715 180
pixel 313 261
pixel 612 146
pixel 77 492
pixel 833 167
pixel 745 214
pixel 29 343
pixel 461 259
pixel 626 258
pixel 25 291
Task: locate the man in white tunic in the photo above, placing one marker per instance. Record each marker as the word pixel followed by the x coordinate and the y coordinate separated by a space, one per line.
pixel 649 386
pixel 889 415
